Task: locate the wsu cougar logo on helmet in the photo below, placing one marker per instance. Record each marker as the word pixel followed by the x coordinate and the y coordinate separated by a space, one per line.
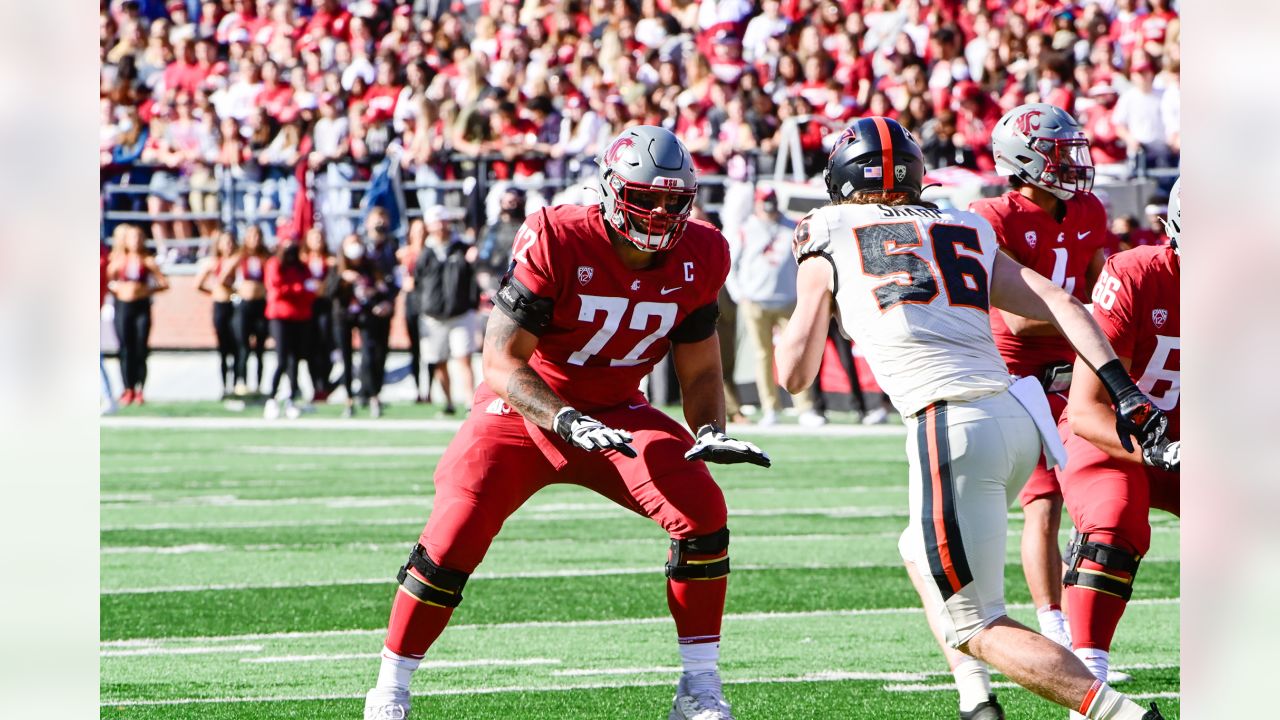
pixel 616 149
pixel 1028 122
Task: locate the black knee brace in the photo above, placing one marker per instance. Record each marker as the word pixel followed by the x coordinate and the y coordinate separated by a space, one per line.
pixel 678 568
pixel 443 587
pixel 1111 558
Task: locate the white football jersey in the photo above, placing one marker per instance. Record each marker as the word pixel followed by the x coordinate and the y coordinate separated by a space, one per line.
pixel 912 289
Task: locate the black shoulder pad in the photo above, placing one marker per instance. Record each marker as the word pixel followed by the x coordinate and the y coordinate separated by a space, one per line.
pixel 531 312
pixel 698 325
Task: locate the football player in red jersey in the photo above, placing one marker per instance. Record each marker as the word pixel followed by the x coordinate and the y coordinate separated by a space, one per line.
pixel 1109 488
pixel 1050 222
pixel 595 297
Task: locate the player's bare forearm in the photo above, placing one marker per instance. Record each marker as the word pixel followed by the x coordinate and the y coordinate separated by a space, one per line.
pixel 507 349
pixel 701 381
pixel 1023 291
pixel 1026 327
pixel 799 351
pixel 1091 416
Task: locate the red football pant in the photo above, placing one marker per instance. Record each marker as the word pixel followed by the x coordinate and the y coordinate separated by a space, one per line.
pixel 492 467
pixel 1110 500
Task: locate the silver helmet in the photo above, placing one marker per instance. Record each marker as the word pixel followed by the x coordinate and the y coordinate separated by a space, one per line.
pixel 1173 222
pixel 1044 146
pixel 647 186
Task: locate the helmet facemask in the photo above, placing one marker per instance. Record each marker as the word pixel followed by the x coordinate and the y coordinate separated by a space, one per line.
pixel 651 217
pixel 1068 167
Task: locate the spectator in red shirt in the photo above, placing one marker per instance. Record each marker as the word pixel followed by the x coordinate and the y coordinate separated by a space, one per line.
pixel 1155 25
pixel 276 95
pixel 290 294
pixel 185 74
pixel 976 117
pixel 1105 144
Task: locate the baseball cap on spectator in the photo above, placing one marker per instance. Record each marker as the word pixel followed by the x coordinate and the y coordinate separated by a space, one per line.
pixel 574 101
pixel 967 90
pixel 173 5
pixel 435 213
pixel 1102 88
pixel 767 198
pixel 403 10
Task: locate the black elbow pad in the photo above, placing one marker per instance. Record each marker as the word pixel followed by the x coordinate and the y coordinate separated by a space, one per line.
pixel 531 312
pixel 698 325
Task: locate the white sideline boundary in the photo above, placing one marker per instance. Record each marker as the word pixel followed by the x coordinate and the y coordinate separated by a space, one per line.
pixel 565 624
pixel 166 423
pixel 426 664
pixel 526 575
pixel 533 513
pixel 821 676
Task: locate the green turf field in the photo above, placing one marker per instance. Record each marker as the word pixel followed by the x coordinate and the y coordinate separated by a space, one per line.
pixel 247 572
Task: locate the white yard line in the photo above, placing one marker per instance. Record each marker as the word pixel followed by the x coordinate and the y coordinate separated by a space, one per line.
pixel 822 676
pixel 162 423
pixel 1003 685
pixel 592 672
pixel 426 664
pixel 563 624
pixel 530 513
pixel 397 546
pixel 350 450
pixel 523 575
pixel 197 650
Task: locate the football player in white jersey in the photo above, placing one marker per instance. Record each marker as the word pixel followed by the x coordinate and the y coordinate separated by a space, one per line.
pixel 913 286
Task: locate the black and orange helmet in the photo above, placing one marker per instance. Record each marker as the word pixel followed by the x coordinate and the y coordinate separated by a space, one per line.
pixel 874 155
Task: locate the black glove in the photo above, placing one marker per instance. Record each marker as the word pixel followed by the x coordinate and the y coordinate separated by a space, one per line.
pixel 588 433
pixel 1135 415
pixel 1164 455
pixel 714 446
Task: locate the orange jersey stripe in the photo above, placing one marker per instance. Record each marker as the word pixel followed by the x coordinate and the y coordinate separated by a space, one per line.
pixel 939 520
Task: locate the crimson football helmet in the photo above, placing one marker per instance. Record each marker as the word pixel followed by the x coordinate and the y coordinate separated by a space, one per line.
pixel 647 187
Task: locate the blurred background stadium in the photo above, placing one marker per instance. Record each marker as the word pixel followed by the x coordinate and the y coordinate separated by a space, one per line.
pixel 459 118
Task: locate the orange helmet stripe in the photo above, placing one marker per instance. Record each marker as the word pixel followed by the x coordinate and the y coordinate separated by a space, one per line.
pixel 886 152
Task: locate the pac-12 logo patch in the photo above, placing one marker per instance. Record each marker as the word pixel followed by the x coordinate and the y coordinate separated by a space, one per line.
pixel 585 273
pixel 1031 238
pixel 900 173
pixel 1159 316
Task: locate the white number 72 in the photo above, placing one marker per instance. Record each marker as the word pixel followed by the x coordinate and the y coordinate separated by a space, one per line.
pixel 614 308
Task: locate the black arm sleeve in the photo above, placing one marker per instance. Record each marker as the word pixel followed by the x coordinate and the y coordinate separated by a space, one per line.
pixel 698 325
pixel 530 312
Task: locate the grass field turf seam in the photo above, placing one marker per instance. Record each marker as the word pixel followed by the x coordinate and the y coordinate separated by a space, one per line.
pixel 151 473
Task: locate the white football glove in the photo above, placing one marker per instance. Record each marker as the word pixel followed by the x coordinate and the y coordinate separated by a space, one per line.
pixel 1166 456
pixel 714 446
pixel 588 433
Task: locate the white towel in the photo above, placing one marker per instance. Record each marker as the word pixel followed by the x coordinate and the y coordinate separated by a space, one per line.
pixel 1030 394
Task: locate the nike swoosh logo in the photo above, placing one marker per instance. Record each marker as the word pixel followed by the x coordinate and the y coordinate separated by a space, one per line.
pixel 634 407
pixel 1083 235
pixel 668 291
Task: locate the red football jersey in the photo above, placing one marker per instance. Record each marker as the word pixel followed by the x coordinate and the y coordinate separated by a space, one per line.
pixel 1136 303
pixel 609 324
pixel 1058 251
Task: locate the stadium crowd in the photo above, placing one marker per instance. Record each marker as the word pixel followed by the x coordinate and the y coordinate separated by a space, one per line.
pixel 269 106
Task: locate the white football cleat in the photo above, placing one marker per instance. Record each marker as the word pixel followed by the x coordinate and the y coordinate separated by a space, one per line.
pixel 699 697
pixel 810 418
pixel 386 704
pixel 291 411
pixel 271 411
pixel 879 416
pixel 768 418
pixel 1117 676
